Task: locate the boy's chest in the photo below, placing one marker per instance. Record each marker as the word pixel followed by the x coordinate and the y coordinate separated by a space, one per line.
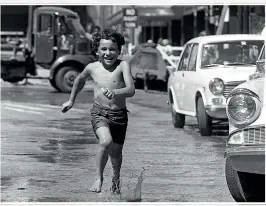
pixel 106 78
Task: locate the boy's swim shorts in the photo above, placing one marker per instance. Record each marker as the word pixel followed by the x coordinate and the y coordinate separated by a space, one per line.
pixel 115 120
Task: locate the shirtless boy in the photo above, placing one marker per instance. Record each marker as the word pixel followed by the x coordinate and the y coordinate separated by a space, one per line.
pixel 113 84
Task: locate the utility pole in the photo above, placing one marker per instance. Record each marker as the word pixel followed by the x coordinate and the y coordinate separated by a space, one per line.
pixel 221 22
pixel 30 26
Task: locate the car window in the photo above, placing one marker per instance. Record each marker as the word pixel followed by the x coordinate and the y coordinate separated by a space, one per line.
pixel 45 23
pixel 193 58
pixel 184 59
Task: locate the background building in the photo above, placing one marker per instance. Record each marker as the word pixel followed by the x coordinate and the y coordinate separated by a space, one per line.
pixel 175 23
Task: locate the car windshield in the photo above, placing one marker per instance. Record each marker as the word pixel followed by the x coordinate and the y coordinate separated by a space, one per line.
pixel 232 53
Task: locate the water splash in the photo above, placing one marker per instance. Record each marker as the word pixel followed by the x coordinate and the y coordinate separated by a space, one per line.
pixel 134 195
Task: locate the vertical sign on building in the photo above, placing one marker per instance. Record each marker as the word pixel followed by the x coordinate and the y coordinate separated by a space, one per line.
pixel 130 18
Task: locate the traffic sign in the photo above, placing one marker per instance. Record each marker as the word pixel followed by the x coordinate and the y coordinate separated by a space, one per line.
pixel 130 18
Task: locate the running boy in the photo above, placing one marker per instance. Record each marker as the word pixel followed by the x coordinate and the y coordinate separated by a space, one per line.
pixel 113 84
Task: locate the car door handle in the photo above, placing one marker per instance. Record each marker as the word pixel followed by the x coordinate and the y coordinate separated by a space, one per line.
pixel 183 74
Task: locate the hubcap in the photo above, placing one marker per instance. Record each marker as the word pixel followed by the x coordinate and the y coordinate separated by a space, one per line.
pixel 70 77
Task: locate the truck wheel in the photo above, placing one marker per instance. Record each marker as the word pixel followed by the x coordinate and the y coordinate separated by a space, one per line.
pixel 245 186
pixel 178 119
pixel 204 120
pixel 233 182
pixel 52 82
pixel 65 78
pixel 13 79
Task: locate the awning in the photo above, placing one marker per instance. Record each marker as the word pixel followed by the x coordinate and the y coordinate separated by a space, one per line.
pixel 146 13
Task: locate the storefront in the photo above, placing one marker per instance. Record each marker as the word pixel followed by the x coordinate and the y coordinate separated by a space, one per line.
pixel 238 20
pixel 153 23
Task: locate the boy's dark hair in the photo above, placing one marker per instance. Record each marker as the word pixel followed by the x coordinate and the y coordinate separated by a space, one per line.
pixel 108 34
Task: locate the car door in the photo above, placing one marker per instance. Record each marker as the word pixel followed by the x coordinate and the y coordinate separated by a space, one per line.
pixel 191 80
pixel 44 39
pixel 179 81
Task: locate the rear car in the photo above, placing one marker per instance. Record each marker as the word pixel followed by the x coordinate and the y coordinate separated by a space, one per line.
pixel 245 146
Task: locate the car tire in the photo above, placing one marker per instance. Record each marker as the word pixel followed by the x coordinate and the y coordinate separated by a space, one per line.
pixel 204 120
pixel 178 119
pixel 139 83
pixel 245 186
pixel 233 182
pixel 65 78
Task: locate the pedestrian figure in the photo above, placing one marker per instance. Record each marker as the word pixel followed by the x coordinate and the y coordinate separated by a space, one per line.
pixel 113 84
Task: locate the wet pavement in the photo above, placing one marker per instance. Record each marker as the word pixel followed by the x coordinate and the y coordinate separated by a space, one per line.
pixel 48 156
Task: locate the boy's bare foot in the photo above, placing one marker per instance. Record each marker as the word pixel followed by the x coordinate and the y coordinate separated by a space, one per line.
pixel 97 186
pixel 115 187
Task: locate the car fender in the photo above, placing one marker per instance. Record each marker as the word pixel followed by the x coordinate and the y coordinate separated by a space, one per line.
pixel 81 60
pixel 173 99
pixel 201 92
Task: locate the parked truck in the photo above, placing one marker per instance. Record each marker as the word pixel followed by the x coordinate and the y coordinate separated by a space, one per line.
pixel 56 41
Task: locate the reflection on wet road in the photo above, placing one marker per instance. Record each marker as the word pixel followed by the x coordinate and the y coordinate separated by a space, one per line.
pixel 48 156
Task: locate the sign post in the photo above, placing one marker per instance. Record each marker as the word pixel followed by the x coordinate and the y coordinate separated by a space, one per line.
pixel 130 20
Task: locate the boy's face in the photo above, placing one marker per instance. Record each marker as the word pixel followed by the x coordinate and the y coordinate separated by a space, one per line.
pixel 108 52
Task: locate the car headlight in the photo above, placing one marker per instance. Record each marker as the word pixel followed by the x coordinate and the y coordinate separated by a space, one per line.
pixel 216 86
pixel 243 107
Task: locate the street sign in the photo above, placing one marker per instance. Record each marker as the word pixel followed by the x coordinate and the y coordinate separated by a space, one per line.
pixel 130 18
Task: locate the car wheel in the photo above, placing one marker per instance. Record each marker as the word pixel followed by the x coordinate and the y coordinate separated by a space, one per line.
pixel 245 186
pixel 178 119
pixel 233 182
pixel 139 83
pixel 65 78
pixel 204 120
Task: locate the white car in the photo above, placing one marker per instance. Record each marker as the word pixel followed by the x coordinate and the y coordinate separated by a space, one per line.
pixel 245 146
pixel 209 68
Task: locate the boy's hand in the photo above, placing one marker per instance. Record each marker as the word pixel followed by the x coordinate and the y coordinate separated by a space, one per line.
pixel 67 106
pixel 108 93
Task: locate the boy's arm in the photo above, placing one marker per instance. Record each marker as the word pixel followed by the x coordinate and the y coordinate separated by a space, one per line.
pixel 79 83
pixel 129 90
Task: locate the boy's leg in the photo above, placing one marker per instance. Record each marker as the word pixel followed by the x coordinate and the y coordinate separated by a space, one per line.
pixel 105 140
pixel 115 153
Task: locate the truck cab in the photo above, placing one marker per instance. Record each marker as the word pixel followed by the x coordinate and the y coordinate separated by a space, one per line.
pixel 59 43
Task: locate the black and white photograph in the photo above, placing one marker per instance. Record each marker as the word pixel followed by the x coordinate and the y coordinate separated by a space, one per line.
pixel 132 103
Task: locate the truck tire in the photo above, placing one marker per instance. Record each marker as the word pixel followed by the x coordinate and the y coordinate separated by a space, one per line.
pixel 233 182
pixel 178 119
pixel 52 83
pixel 245 186
pixel 65 78
pixel 204 120
pixel 13 79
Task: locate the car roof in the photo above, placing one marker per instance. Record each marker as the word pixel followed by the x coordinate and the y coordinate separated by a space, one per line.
pixel 59 10
pixel 225 37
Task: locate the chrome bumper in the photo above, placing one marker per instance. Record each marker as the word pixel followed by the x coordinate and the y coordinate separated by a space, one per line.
pixel 250 160
pixel 217 112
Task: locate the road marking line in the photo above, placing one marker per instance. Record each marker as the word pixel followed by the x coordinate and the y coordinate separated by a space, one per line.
pixel 22 110
pixel 42 107
pixel 24 107
pixel 59 107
